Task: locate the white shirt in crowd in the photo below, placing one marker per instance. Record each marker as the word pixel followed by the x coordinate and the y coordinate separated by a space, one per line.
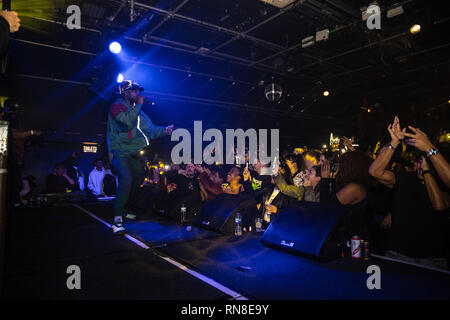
pixel 95 182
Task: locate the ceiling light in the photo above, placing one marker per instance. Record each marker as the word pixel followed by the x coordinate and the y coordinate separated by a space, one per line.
pixel 326 93
pixel 115 47
pixel 395 11
pixel 415 28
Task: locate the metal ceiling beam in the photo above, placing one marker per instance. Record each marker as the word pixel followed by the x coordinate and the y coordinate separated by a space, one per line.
pixel 138 62
pixel 181 5
pixel 203 101
pixel 344 7
pixel 354 50
pixel 211 26
pixel 279 13
pixel 194 50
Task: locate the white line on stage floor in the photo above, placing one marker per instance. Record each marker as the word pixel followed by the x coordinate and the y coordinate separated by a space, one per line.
pixel 410 263
pixel 211 282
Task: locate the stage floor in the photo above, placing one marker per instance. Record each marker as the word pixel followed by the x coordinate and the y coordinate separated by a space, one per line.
pixel 165 261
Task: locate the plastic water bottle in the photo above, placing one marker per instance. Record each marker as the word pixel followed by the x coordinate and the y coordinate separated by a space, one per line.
pixel 238 225
pixel 183 213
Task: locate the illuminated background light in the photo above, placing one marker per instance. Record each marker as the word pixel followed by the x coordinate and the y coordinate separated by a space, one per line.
pixel 326 93
pixel 415 28
pixel 115 47
pixel 119 77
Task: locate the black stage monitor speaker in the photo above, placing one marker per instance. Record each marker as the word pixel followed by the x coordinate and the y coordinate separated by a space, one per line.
pixel 316 230
pixel 218 214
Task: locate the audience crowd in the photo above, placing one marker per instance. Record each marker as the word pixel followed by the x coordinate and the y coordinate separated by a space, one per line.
pixel 397 197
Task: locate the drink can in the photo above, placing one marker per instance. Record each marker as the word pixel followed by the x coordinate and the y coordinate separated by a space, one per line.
pixel 356 247
pixel 366 250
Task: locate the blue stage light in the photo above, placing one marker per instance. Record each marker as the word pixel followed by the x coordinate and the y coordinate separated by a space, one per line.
pixel 119 78
pixel 115 47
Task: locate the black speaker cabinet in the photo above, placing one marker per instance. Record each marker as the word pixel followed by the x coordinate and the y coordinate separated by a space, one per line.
pixel 218 214
pixel 316 230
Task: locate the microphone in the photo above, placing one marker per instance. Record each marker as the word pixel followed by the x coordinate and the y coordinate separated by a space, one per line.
pixel 148 101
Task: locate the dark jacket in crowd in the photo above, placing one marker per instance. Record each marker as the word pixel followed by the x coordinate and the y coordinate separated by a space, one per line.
pixel 257 186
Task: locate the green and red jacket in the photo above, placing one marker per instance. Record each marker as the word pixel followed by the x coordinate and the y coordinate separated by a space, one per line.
pixel 129 129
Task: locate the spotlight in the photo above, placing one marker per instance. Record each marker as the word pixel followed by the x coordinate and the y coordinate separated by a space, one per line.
pixel 415 28
pixel 119 78
pixel 368 110
pixel 115 47
pixel 326 93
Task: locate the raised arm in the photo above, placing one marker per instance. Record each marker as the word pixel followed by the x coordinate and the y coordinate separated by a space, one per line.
pixel 378 167
pixel 292 191
pixel 439 200
pixel 420 140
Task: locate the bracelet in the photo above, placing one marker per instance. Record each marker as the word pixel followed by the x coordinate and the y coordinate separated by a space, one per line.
pixel 390 146
pixel 426 171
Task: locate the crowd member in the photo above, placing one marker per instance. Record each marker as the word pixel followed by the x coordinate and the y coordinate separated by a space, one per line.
pixel 233 185
pixel 254 183
pixel 28 187
pixel 74 172
pixel 414 217
pixel 312 185
pixel 210 184
pixel 311 159
pixel 110 180
pixel 59 181
pixel 17 141
pixel 188 178
pixel 95 182
pixel 351 187
pixel 293 187
pixel 420 140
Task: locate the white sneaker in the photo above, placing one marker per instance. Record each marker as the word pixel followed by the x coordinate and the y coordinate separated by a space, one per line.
pixel 117 226
pixel 130 216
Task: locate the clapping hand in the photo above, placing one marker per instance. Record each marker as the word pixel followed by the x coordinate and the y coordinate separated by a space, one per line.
pixel 397 134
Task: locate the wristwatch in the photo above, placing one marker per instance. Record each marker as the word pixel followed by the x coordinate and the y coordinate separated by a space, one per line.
pixel 390 146
pixel 432 152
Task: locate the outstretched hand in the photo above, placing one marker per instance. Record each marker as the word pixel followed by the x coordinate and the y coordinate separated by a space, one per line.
pixel 419 139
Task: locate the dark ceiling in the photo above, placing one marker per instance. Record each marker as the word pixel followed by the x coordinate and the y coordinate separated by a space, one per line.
pixel 221 54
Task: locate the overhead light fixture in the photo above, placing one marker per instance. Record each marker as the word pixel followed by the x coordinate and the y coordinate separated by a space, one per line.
pixel 395 11
pixel 322 35
pixel 279 3
pixel 415 28
pixel 115 47
pixel 307 42
pixel 326 93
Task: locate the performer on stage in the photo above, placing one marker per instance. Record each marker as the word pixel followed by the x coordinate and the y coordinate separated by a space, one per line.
pixel 129 131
